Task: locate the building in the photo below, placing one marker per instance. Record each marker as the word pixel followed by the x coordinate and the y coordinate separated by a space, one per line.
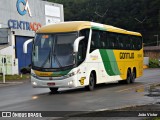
pixel 152 52
pixel 19 21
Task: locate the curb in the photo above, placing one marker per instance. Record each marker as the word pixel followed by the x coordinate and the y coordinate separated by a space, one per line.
pixel 6 84
pixel 10 84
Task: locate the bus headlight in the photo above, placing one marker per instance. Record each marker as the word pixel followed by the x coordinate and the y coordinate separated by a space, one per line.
pixel 70 83
pixel 34 83
pixel 72 74
pixel 33 75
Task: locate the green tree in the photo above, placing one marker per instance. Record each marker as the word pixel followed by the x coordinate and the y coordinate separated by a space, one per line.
pixel 134 15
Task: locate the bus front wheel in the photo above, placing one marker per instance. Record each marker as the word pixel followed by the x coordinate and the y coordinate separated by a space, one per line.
pixel 53 90
pixel 92 82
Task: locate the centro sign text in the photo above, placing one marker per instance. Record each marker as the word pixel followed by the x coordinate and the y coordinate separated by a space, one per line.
pixel 23 25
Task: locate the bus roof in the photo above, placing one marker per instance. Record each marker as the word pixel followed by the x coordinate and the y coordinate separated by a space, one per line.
pixel 79 25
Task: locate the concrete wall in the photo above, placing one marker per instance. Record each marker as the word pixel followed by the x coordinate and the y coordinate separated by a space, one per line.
pixel 152 54
pixel 8 10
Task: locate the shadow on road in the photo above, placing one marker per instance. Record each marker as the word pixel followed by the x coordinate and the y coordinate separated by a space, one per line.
pixel 99 87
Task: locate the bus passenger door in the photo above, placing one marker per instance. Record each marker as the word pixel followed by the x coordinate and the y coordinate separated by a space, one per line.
pixel 81 56
pixel 82 66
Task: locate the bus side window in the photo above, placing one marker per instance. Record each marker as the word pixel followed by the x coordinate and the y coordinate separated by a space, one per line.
pixel 95 40
pixel 113 41
pixel 82 49
pixel 103 40
pixel 133 43
pixel 138 42
pixel 121 41
pixel 125 38
pixel 127 43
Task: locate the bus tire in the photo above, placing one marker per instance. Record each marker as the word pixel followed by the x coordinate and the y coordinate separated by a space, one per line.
pixel 133 77
pixel 53 90
pixel 129 76
pixel 92 82
pixel 121 81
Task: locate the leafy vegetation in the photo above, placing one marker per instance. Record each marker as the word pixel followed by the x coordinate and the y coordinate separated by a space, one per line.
pixel 15 77
pixel 154 63
pixel 135 15
pixel 154 118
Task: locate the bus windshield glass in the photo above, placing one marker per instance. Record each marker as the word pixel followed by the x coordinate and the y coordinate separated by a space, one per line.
pixel 53 50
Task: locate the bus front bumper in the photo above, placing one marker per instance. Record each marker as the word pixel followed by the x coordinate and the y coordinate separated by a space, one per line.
pixel 46 83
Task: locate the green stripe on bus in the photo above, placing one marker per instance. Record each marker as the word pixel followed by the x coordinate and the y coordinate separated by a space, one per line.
pixel 109 62
pixel 61 73
pixel 98 28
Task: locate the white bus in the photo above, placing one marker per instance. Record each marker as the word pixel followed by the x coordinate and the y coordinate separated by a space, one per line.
pixel 77 54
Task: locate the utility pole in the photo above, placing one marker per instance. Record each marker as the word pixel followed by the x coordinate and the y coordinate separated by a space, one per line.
pixel 157 39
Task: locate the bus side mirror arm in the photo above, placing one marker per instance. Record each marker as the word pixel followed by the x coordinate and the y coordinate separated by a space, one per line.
pixel 76 43
pixel 25 45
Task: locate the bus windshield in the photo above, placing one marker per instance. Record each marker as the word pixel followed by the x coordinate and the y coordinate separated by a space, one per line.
pixel 53 50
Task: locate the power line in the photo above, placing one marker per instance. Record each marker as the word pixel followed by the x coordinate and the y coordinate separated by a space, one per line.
pixel 150 43
pixel 140 21
pixel 101 15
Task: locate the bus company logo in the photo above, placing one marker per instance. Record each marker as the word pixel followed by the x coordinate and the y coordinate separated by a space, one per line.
pixel 25 3
pixel 125 55
pixel 94 57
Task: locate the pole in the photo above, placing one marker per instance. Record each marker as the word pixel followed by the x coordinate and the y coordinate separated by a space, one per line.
pixel 4 81
pixel 157 39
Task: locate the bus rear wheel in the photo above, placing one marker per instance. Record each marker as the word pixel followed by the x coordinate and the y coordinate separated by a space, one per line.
pixel 129 77
pixel 133 77
pixel 92 82
pixel 53 90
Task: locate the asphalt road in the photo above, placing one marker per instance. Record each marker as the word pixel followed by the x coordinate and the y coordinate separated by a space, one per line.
pixel 106 96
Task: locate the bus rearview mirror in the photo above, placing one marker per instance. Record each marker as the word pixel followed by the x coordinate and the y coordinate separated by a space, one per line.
pixel 76 43
pixel 25 45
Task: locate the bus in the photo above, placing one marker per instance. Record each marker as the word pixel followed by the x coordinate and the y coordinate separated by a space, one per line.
pixel 83 54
